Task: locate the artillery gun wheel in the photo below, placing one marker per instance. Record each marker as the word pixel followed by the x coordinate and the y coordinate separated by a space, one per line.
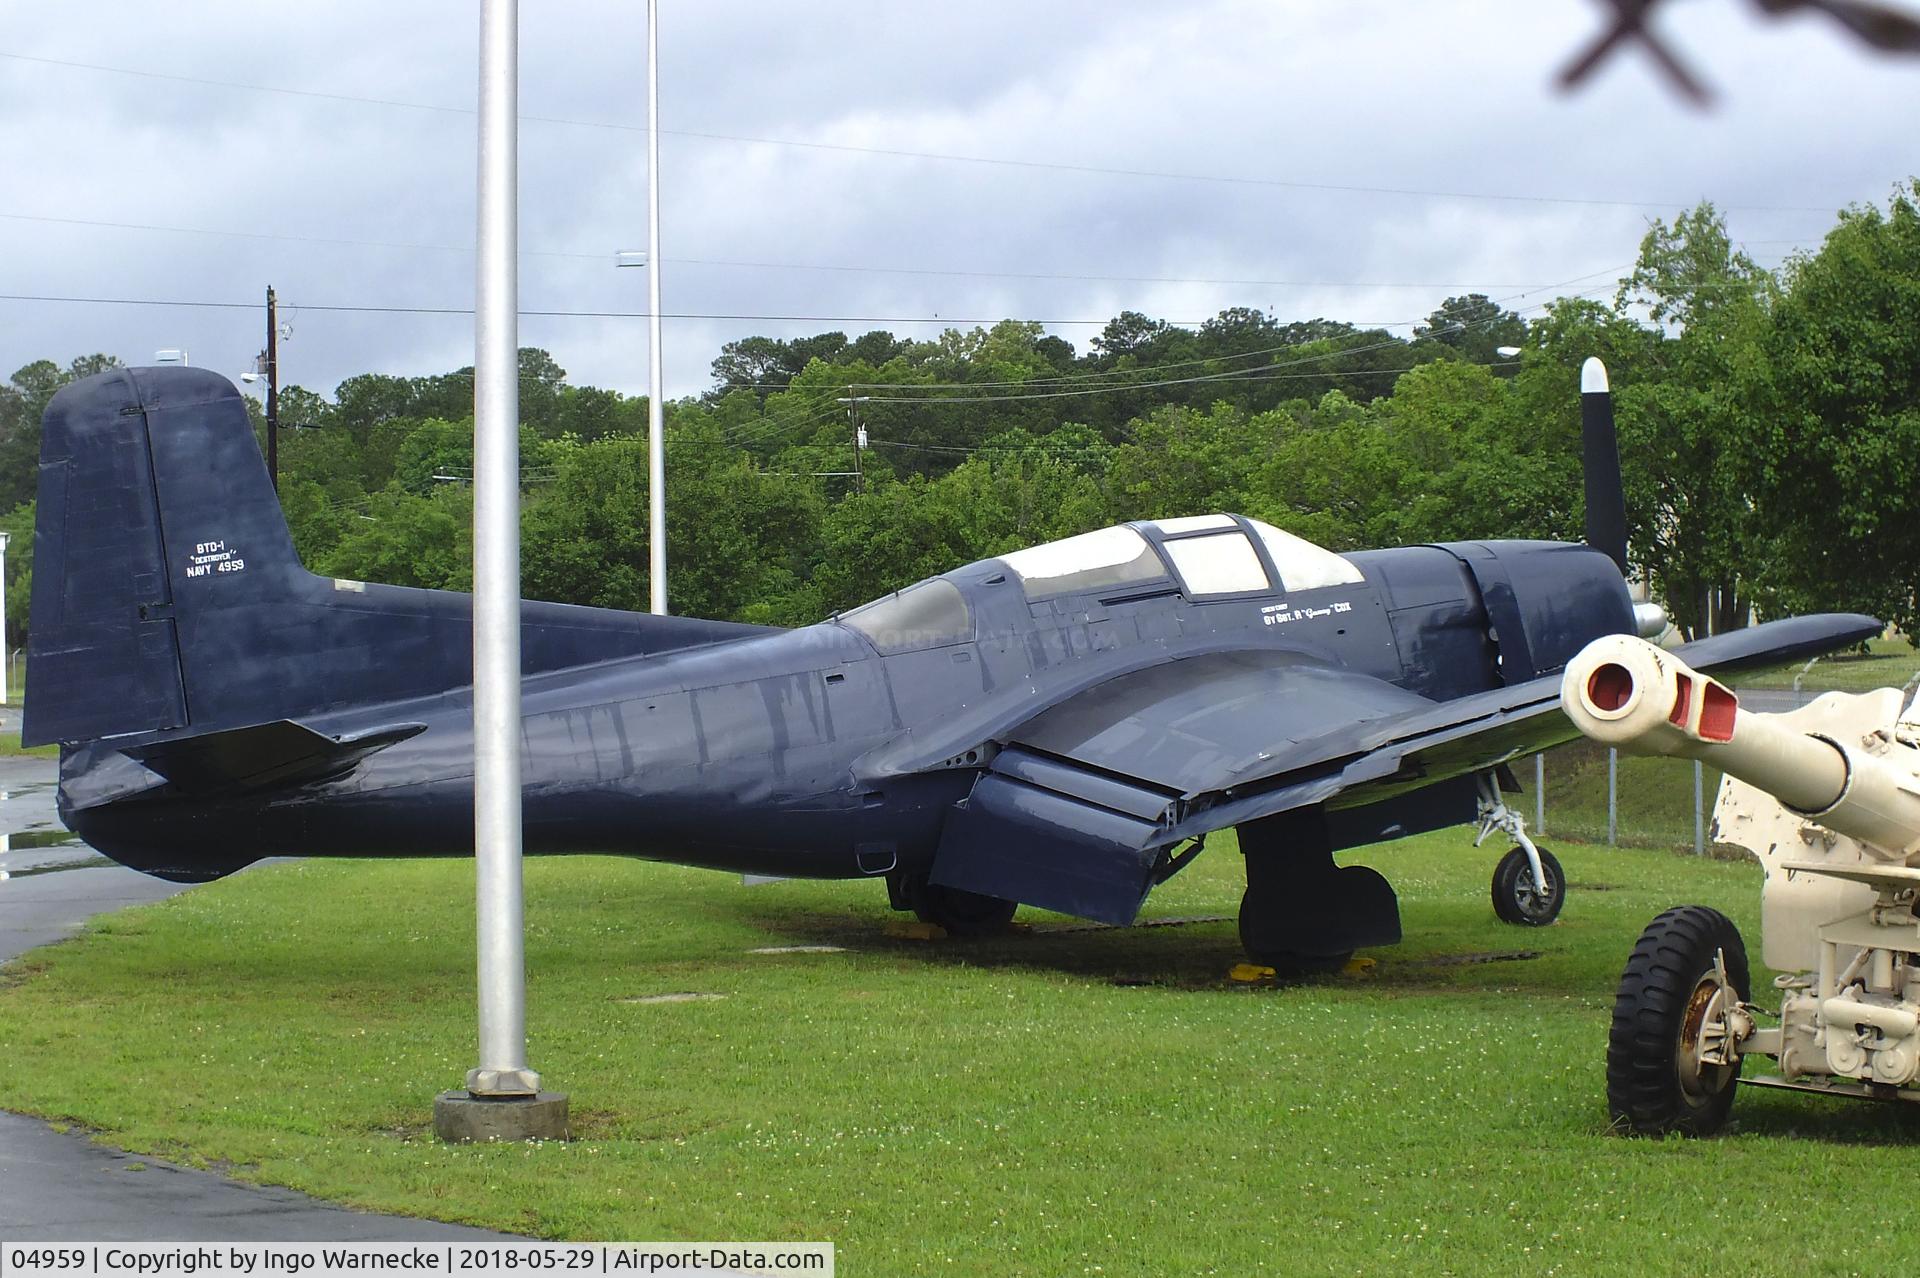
pixel 960 913
pixel 1517 900
pixel 1688 970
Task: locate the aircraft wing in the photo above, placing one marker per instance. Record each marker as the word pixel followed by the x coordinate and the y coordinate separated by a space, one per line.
pixel 1083 803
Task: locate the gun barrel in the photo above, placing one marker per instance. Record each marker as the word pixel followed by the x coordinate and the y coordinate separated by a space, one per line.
pixel 1630 694
pixel 1642 699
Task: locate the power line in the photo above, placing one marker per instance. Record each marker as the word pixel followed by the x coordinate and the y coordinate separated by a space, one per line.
pixel 795 265
pixel 343 242
pixel 552 314
pixel 1259 372
pixel 1243 375
pixel 944 157
pixel 1256 374
pixel 939 272
pixel 1076 379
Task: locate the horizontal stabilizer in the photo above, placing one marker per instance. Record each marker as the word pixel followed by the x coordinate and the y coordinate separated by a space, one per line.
pixel 280 753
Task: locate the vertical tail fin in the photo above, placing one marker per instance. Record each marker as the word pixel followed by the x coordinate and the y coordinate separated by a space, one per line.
pixel 152 500
pixel 167 594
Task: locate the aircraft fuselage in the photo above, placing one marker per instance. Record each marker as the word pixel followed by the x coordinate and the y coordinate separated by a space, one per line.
pixel 814 752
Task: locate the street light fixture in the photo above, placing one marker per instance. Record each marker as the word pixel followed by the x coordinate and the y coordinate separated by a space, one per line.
pixel 656 411
pixel 656 443
pixel 1506 352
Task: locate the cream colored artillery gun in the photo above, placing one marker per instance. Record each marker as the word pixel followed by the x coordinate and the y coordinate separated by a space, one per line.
pixel 1827 798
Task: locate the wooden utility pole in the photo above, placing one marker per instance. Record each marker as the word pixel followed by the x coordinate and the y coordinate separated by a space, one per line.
pixel 853 402
pixel 273 392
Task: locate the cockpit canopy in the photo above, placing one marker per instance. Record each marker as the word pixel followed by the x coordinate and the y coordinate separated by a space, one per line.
pixel 1210 556
pixel 1101 560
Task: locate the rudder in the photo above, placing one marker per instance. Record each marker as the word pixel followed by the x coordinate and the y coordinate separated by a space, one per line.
pixel 151 484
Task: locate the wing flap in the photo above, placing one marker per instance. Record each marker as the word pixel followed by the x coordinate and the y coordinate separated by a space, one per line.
pixel 1056 834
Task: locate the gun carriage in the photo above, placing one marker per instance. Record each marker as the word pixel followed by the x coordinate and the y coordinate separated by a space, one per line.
pixel 1827 799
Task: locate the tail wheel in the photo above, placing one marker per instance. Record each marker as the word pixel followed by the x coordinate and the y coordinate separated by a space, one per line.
pixel 959 913
pixel 1517 899
pixel 1671 1058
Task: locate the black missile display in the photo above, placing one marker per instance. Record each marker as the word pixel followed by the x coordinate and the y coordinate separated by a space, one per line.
pixel 1060 727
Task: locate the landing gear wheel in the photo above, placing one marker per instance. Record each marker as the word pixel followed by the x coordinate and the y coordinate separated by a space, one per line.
pixel 1256 931
pixel 963 914
pixel 1671 1060
pixel 1517 900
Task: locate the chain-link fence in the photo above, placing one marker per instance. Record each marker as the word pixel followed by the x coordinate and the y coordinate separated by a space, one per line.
pixel 1596 795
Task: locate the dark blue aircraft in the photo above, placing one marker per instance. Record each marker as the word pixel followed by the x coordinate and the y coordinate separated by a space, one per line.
pixel 1061 726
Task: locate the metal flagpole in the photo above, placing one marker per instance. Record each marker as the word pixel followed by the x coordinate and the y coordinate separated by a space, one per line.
pixel 503 1074
pixel 656 412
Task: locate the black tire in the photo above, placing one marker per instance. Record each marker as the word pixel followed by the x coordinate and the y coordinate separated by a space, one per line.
pixel 1516 900
pixel 961 914
pixel 1655 1085
pixel 1287 964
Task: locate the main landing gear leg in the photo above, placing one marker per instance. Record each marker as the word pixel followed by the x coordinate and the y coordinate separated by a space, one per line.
pixel 1303 914
pixel 1529 887
pixel 961 914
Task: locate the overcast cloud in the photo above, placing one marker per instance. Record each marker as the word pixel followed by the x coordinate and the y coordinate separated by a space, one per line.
pixel 1429 97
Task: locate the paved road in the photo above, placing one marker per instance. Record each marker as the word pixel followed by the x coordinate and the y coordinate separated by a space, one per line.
pixel 64 1187
pixel 55 1185
pixel 1773 700
pixel 51 884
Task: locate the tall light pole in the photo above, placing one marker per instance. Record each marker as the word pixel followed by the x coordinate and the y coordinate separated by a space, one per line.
pixel 502 1100
pixel 656 411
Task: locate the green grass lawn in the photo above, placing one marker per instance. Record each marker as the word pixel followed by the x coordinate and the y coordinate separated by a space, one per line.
pixel 1057 1102
pixel 1887 663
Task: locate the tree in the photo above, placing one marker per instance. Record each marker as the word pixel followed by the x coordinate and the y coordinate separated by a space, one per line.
pixel 1129 333
pixel 755 364
pixel 740 539
pixel 1475 326
pixel 1832 445
pixel 18 524
pixel 1183 462
pixel 1685 414
pixel 1334 476
pixel 23 401
pixel 403 539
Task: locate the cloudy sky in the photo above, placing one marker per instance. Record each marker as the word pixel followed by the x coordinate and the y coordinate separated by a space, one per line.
pixel 882 162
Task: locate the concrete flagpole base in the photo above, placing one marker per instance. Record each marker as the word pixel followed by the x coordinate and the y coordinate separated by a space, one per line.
pixel 461 1118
